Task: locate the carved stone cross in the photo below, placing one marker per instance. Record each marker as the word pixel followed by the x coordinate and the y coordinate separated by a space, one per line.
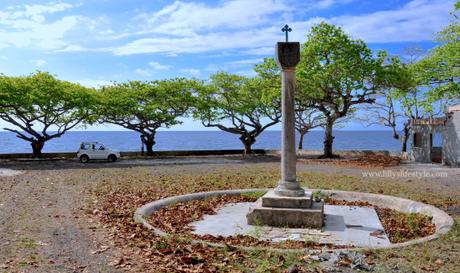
pixel 286 29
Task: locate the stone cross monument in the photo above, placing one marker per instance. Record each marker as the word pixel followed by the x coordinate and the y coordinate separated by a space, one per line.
pixel 288 205
pixel 287 57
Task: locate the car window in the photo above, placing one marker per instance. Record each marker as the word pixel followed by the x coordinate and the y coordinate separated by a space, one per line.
pixel 99 147
pixel 84 146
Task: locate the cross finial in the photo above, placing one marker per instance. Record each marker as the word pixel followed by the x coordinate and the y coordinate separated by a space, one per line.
pixel 286 29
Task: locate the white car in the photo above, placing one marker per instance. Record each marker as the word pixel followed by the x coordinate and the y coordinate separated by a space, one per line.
pixel 95 150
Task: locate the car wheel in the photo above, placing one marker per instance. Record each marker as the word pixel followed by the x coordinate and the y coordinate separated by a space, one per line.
pixel 84 159
pixel 112 158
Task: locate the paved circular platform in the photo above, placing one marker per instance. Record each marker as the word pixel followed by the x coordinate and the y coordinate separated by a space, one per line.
pixel 442 220
pixel 343 225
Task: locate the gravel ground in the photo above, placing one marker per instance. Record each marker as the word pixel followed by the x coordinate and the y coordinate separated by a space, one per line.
pixel 44 226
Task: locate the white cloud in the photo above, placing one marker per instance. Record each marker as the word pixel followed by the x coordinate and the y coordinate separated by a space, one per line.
pixel 27 26
pixel 260 51
pixel 143 72
pixel 93 83
pixel 417 21
pixel 224 26
pixel 194 28
pixel 189 18
pixel 153 67
pixel 234 65
pixel 324 4
pixel 158 66
pixel 245 62
pixel 33 10
pixel 39 62
pixel 199 43
pixel 191 71
pixel 72 48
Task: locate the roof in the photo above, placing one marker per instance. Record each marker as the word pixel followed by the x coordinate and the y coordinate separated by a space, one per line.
pixel 428 121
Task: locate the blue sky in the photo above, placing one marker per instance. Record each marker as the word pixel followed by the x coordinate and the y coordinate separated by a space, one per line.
pixel 96 42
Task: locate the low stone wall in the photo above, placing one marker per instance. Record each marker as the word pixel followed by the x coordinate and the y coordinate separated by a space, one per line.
pixel 344 153
pixel 132 154
pixel 68 155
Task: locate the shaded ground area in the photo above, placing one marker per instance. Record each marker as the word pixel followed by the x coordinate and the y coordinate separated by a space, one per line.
pixel 62 216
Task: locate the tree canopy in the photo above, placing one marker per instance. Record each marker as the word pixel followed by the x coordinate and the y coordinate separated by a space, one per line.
pixel 40 107
pixel 440 70
pixel 337 73
pixel 238 105
pixel 144 107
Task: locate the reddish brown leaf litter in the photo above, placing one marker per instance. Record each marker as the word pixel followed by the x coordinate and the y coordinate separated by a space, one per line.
pixel 402 227
pixel 145 252
pixel 367 161
pixel 123 192
pixel 175 218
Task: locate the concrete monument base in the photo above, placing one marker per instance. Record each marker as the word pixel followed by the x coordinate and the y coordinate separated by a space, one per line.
pixel 280 211
pixel 272 199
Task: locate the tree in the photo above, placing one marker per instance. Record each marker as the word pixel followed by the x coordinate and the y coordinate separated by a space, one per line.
pixel 383 112
pixel 338 73
pixel 144 107
pixel 440 70
pixel 40 107
pixel 306 119
pixel 385 109
pixel 238 105
pixel 413 96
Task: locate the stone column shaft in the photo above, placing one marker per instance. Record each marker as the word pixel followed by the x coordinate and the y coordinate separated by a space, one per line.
pixel 288 56
pixel 288 153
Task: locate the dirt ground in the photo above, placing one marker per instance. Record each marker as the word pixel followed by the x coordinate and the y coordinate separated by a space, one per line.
pixel 45 224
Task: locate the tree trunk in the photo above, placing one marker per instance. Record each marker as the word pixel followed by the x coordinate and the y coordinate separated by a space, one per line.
pixel 301 135
pixel 247 141
pixel 405 139
pixel 149 141
pixel 395 133
pixel 37 147
pixel 328 140
pixel 142 146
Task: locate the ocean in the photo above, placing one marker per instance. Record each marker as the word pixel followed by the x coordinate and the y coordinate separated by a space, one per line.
pixel 201 140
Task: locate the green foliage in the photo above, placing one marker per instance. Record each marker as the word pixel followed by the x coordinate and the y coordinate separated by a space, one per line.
pixel 146 106
pixel 440 70
pixel 40 107
pixel 337 73
pixel 238 105
pixel 136 104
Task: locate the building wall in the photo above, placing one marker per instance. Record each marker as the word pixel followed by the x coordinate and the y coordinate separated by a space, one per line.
pixel 451 140
pixel 423 152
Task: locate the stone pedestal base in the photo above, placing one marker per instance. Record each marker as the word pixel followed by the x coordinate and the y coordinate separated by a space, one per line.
pixel 290 212
pixel 271 199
